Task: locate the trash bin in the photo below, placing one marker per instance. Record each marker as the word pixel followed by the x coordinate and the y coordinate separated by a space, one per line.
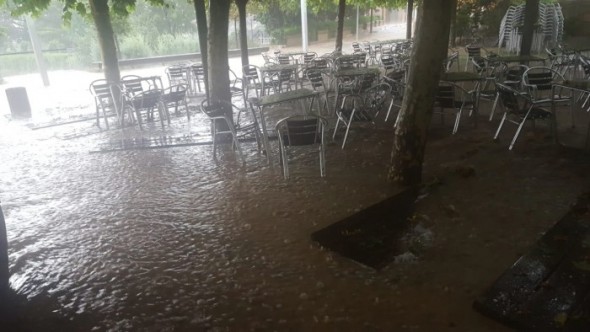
pixel 18 102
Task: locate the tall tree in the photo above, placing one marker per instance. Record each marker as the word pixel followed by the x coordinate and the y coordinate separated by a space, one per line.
pixel 241 4
pixel 428 53
pixel 201 16
pixel 340 29
pixel 4 272
pixel 531 14
pixel 218 51
pixel 106 39
pixel 409 19
pixel 101 14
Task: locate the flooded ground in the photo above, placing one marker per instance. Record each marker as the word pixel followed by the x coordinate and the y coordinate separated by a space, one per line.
pixel 171 240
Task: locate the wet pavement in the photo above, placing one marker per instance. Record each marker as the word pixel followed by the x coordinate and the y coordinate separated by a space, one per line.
pixel 171 238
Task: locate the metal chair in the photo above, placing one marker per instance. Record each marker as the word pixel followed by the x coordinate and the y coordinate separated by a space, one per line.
pixel 456 98
pixel 360 105
pixel 103 100
pixel 222 123
pixel 520 107
pixel 251 80
pixel 236 86
pixel 175 95
pixel 177 74
pixel 538 84
pixel 296 131
pixel 197 76
pixel 317 83
pixel 472 52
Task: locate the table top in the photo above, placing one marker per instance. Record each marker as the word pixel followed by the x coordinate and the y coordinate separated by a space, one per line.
pixel 576 84
pixel 517 58
pixel 460 76
pixel 278 98
pixel 277 67
pixel 357 72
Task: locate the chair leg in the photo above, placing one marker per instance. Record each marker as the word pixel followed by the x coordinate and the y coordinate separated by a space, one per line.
pixel 457 120
pixel 494 106
pixel 322 160
pixel 500 126
pixel 517 133
pixel 348 126
pixel 214 137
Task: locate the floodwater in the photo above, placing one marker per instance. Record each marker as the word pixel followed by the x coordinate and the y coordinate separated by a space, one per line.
pixel 171 239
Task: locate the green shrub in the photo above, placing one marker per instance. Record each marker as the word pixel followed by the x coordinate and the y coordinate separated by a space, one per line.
pixel 134 46
pixel 16 64
pixel 184 43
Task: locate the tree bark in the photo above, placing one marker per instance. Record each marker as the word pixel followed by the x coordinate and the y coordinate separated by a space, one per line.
pixel 340 29
pixel 430 49
pixel 4 272
pixel 531 14
pixel 409 19
pixel 201 16
pixel 454 23
pixel 218 52
pixel 241 4
pixel 106 40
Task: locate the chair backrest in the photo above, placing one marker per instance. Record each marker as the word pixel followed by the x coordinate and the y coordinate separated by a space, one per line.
pixel 512 76
pixel 540 79
pixel 176 74
pixel 319 63
pixel 285 75
pixel 174 93
pixel 344 62
pixel 198 70
pixel 473 51
pixel 445 95
pixel 100 88
pixel 356 47
pixel 387 61
pixel 377 95
pixel 511 99
pixel 315 78
pixel 284 59
pixel 133 84
pixel 301 130
pixel 360 58
pixel 251 74
pixel 307 57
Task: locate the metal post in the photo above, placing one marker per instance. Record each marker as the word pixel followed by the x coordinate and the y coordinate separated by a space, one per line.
pixel 304 25
pixel 357 22
pixel 37 50
pixel 4 273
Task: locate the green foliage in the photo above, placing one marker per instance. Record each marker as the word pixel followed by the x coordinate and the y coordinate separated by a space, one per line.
pixel 25 63
pixel 134 46
pixel 177 44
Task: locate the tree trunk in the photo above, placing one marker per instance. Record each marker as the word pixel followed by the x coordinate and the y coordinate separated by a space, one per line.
pixel 430 49
pixel 454 23
pixel 371 20
pixel 241 4
pixel 340 29
pixel 106 40
pixel 4 272
pixel 531 14
pixel 201 16
pixel 218 53
pixel 409 19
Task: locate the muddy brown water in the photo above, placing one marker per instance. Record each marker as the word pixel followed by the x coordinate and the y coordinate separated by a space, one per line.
pixel 172 240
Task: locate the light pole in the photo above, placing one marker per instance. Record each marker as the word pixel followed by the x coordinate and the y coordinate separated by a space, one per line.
pixel 304 25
